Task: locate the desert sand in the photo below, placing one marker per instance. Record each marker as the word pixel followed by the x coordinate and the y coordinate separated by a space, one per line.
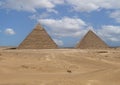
pixel 59 67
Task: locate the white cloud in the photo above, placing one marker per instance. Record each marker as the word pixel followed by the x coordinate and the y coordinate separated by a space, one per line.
pixel 39 16
pixel 30 5
pixel 114 39
pixel 1 3
pixel 52 10
pixel 9 31
pixel 116 15
pixel 93 5
pixel 83 5
pixel 57 1
pixel 109 32
pixel 78 5
pixel 59 42
pixel 65 27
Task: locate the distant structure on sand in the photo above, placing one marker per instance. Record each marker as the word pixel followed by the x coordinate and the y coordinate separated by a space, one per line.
pixel 38 39
pixel 91 41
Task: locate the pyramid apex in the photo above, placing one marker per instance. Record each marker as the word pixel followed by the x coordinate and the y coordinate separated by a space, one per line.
pixel 39 26
pixel 91 32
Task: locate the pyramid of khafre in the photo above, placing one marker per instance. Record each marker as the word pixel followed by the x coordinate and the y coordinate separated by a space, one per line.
pixel 91 41
pixel 38 39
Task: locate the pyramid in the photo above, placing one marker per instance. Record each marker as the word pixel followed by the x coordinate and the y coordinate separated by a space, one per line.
pixel 38 39
pixel 91 41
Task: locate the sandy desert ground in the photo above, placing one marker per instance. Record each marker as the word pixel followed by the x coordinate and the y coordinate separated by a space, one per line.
pixel 60 67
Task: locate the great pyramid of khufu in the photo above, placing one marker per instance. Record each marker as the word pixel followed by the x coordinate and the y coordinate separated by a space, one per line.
pixel 91 41
pixel 38 39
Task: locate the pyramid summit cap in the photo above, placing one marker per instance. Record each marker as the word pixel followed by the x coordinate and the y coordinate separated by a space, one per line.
pixel 39 26
pixel 91 32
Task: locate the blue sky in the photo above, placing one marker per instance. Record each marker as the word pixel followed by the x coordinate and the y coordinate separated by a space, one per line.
pixel 66 21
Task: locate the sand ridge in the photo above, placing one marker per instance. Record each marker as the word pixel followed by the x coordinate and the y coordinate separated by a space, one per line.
pixel 60 67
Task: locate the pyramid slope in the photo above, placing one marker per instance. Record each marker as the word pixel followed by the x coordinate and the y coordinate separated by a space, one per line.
pixel 91 41
pixel 38 39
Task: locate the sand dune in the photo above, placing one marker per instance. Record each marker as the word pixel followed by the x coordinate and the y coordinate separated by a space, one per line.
pixel 60 67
